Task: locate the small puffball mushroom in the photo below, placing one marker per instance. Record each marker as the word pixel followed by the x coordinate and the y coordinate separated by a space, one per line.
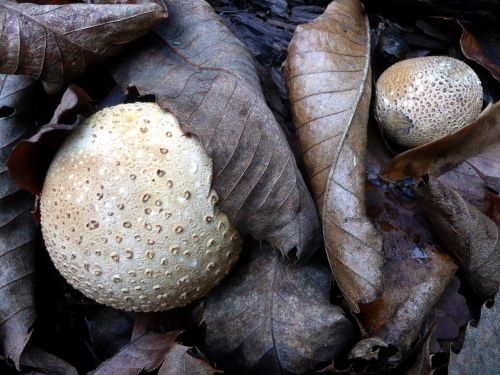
pixel 419 100
pixel 127 213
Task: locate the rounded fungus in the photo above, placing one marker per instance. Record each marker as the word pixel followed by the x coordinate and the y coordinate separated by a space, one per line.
pixel 128 215
pixel 419 100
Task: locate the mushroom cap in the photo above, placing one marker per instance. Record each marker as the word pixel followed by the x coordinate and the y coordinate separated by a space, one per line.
pixel 419 100
pixel 128 215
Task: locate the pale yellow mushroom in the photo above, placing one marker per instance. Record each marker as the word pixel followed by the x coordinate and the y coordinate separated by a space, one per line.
pixel 419 100
pixel 127 213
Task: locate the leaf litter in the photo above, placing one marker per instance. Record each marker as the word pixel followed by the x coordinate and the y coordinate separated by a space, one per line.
pixel 415 264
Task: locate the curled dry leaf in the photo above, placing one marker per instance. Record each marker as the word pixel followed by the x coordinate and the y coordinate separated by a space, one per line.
pixel 423 362
pixel 470 236
pixel 275 317
pixel 108 330
pixel 56 43
pixel 144 353
pixel 17 230
pixel 200 72
pixel 481 351
pixel 482 45
pixel 477 185
pixel 416 271
pixel 447 152
pixel 368 348
pixel 329 84
pixel 30 159
pixel 47 363
pixel 179 361
pixel 451 313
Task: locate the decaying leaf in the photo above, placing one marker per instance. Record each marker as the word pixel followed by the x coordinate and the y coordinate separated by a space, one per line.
pixel 30 159
pixel 144 353
pixel 200 72
pixel 423 362
pixel 275 317
pixel 470 236
pixel 179 361
pixel 109 330
pixel 481 351
pixel 487 166
pixel 17 230
pixel 416 270
pixel 55 43
pixel 329 84
pixel 482 45
pixel 451 312
pixel 470 182
pixel 368 348
pixel 47 363
pixel 447 152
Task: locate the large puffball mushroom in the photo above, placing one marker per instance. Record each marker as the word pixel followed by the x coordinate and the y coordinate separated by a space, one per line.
pixel 419 100
pixel 127 213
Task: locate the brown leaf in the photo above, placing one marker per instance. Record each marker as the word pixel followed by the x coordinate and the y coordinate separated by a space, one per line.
pixel 56 43
pixel 17 230
pixel 469 182
pixel 329 85
pixel 481 351
pixel 108 330
pixel 274 317
pixel 487 166
pixel 368 348
pixel 179 361
pixel 471 237
pixel 145 353
pixel 46 362
pixel 477 180
pixel 416 271
pixel 482 45
pixel 30 159
pixel 447 152
pixel 423 362
pixel 451 313
pixel 200 72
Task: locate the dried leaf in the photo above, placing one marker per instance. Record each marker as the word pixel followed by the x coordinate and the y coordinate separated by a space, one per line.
pixel 17 229
pixel 451 313
pixel 471 237
pixel 56 43
pixel 179 361
pixel 201 73
pixel 447 152
pixel 487 166
pixel 481 44
pixel 274 317
pixel 46 362
pixel 368 348
pixel 469 183
pixel 416 271
pixel 423 363
pixel 108 330
pixel 481 351
pixel 145 353
pixel 329 84
pixel 477 180
pixel 30 159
